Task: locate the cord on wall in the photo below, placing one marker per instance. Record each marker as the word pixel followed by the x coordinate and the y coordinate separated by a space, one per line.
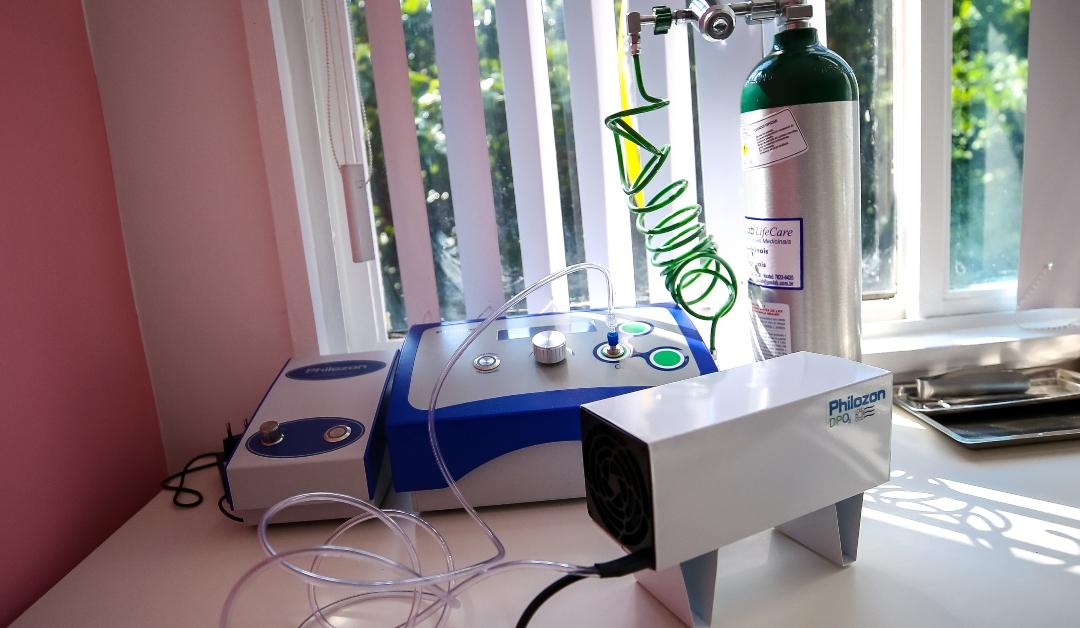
pixel 354 171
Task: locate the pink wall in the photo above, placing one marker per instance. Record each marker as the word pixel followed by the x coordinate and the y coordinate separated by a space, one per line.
pixel 179 106
pixel 81 450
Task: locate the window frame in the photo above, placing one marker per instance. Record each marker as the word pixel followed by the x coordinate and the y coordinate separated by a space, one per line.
pixel 927 83
pixel 922 64
pixel 347 309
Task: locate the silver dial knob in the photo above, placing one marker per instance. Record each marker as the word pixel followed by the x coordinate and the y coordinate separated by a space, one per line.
pixel 270 433
pixel 549 347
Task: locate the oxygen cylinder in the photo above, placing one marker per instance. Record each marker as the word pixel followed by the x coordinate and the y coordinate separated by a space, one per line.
pixel 800 147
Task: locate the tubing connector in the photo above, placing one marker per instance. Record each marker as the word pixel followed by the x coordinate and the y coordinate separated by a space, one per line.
pixel 662 18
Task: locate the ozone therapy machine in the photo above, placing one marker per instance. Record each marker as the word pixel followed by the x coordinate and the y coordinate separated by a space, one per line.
pixel 508 417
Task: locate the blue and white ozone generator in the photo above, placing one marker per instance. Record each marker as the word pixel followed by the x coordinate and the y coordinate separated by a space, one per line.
pixel 508 415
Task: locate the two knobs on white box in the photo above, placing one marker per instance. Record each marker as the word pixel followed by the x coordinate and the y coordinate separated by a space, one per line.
pixel 549 347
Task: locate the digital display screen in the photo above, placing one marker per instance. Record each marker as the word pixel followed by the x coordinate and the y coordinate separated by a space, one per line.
pixel 575 327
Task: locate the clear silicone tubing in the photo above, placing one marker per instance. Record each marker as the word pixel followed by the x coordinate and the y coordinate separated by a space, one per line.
pixel 451 600
pixel 319 611
pixel 442 588
pixel 443 597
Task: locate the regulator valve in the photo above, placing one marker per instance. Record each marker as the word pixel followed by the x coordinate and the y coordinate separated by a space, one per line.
pixel 715 20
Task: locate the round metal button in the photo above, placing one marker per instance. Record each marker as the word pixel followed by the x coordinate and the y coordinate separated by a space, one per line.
pixel 486 362
pixel 622 351
pixel 337 433
pixel 270 433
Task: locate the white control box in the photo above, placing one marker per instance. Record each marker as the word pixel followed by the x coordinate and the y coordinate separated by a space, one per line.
pixel 319 428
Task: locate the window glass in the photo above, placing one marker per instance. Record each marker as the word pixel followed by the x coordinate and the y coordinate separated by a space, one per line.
pixel 427 101
pixel 559 83
pixel 427 106
pixel 860 31
pixel 989 101
pixel 424 80
pixel 492 89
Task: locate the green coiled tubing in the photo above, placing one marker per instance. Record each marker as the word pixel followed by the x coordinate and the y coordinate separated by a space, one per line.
pixel 677 241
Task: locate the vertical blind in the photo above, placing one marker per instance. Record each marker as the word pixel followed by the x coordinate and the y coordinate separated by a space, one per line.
pixel 702 79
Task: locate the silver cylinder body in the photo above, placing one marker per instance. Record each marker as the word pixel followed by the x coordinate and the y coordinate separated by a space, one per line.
pixel 803 228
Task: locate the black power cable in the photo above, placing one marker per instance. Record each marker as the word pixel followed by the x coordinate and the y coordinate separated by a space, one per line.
pixel 623 566
pixel 545 595
pixel 225 511
pixel 179 489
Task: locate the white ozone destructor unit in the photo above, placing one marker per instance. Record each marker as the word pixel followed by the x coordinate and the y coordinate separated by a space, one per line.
pixel 679 470
pixel 508 418
pixel 320 428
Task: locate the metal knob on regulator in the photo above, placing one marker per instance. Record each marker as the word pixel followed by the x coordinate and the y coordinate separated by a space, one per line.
pixel 549 347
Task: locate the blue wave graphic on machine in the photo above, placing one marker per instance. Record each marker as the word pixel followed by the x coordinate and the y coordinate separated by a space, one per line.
pixel 498 399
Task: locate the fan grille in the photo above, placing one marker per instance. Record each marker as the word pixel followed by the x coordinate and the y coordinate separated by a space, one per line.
pixel 617 488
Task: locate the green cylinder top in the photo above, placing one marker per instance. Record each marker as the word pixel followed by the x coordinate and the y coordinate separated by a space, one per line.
pixel 798 71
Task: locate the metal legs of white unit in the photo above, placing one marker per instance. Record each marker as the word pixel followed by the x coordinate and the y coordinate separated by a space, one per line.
pixel 689 589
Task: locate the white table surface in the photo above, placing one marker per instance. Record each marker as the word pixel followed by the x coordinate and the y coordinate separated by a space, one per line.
pixel 957 538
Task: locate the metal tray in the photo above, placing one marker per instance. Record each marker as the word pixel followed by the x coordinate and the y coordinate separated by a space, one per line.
pixel 1047 384
pixel 1049 411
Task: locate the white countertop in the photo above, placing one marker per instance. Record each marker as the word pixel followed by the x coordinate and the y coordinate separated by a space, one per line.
pixel 957 538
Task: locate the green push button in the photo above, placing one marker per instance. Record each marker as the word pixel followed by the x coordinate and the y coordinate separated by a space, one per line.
pixel 634 328
pixel 667 358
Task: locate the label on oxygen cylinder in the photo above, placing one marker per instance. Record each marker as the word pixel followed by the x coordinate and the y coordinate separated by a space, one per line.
pixel 771 139
pixel 772 329
pixel 774 248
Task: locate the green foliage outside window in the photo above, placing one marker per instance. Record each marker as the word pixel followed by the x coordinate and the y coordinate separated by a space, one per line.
pixel 860 31
pixel 989 102
pixel 431 139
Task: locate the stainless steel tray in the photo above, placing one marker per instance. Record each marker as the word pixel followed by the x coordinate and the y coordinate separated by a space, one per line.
pixel 1047 384
pixel 1050 410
